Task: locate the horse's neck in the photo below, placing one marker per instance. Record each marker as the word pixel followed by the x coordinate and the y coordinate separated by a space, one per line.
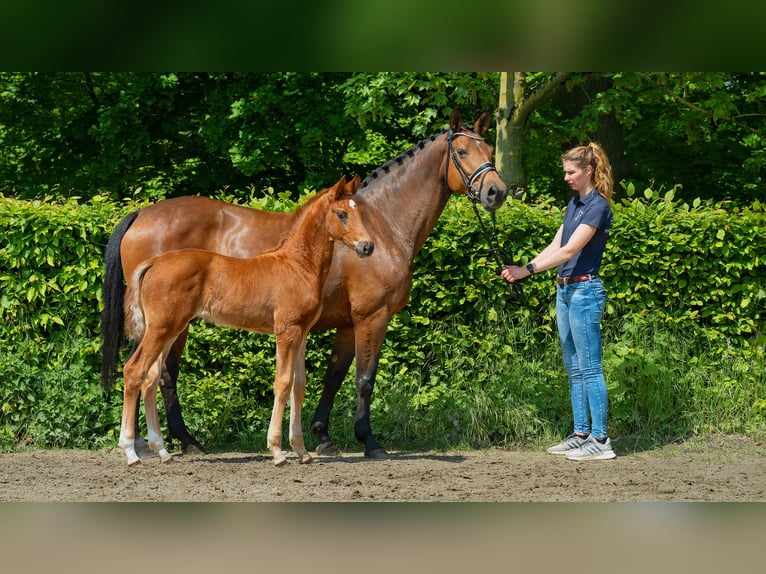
pixel 410 197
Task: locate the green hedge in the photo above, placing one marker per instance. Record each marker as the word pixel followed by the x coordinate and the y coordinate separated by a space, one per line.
pixel 462 365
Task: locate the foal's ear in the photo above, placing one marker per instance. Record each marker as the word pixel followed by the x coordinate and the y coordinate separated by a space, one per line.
pixel 482 124
pixel 353 185
pixel 339 188
pixel 456 120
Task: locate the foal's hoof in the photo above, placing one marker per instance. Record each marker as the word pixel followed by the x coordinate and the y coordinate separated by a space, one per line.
pixel 166 458
pixel 305 458
pixel 135 463
pixel 280 460
pixel 377 454
pixel 327 449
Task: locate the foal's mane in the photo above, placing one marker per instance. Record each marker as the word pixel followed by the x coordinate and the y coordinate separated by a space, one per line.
pixel 399 160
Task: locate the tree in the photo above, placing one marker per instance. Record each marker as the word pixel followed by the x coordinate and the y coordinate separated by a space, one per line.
pixel 521 93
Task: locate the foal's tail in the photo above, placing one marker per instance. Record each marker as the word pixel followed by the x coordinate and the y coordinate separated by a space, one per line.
pixel 112 317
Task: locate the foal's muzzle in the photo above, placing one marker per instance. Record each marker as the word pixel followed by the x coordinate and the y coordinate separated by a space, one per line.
pixel 364 248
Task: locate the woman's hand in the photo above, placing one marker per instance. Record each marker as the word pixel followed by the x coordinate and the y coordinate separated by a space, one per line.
pixel 513 273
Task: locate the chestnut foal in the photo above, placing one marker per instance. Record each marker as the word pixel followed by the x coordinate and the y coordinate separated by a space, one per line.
pixel 276 292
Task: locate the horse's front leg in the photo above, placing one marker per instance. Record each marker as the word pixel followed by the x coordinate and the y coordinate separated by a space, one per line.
pixel 369 341
pixel 341 358
pixel 298 393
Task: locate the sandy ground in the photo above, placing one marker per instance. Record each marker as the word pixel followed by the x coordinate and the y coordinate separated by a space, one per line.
pixel 729 468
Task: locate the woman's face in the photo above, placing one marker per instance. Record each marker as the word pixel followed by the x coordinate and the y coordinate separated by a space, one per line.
pixel 578 179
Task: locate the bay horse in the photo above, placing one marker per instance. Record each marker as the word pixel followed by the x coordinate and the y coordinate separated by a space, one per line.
pixel 278 292
pixel 402 201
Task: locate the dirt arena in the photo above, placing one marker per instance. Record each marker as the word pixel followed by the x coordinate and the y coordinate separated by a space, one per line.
pixel 727 468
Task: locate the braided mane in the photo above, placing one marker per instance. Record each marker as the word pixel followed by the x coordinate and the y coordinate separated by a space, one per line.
pixel 401 158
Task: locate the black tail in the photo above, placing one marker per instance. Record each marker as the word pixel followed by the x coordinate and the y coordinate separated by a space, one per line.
pixel 113 315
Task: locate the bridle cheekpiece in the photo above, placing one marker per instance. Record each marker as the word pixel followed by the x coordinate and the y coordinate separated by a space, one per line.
pixel 480 172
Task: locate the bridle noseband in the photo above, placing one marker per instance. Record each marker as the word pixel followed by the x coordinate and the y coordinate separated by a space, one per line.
pixel 501 257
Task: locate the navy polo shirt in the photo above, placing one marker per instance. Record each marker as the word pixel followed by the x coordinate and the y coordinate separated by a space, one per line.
pixel 595 211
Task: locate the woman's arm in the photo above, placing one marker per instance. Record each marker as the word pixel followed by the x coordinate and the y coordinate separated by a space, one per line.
pixel 554 254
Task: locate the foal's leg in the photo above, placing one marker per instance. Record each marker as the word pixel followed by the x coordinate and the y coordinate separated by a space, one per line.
pixel 299 391
pixel 149 391
pixel 139 443
pixel 134 374
pixel 288 342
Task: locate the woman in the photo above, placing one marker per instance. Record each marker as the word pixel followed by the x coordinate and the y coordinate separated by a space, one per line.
pixel 577 250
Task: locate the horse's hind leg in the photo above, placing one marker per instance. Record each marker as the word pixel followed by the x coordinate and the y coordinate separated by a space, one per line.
pixel 176 424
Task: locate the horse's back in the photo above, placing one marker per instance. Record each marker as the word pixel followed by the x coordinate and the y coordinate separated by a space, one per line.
pixel 194 222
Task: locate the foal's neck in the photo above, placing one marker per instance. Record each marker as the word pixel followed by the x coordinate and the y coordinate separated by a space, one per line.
pixel 310 241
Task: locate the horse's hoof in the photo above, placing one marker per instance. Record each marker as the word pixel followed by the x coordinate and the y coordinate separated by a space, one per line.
pixel 280 461
pixel 135 463
pixel 193 449
pixel 327 449
pixel 377 454
pixel 306 459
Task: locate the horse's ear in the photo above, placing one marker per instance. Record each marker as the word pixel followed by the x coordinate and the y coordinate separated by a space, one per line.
pixel 455 120
pixel 482 124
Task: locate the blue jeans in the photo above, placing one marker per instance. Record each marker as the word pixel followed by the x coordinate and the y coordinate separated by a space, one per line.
pixel 579 307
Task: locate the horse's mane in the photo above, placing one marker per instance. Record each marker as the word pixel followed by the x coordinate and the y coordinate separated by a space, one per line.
pixel 384 169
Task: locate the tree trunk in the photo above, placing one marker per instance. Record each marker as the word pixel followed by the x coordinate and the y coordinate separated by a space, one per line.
pixel 514 107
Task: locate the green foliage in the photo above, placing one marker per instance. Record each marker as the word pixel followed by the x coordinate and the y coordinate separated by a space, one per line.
pixel 155 135
pixel 462 365
pixel 159 135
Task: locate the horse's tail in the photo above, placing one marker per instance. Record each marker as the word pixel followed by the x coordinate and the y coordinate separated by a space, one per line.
pixel 112 317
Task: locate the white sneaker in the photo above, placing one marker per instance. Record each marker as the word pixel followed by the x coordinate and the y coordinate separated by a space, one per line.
pixel 591 449
pixel 572 442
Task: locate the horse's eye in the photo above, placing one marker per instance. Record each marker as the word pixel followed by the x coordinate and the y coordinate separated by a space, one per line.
pixel 461 152
pixel 342 215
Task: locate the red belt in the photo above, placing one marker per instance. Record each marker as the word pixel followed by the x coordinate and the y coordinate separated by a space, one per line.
pixel 576 278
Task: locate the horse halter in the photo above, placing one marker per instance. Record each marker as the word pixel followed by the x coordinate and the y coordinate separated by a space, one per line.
pixel 480 171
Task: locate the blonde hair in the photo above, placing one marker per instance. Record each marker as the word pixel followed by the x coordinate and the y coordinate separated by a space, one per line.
pixel 593 155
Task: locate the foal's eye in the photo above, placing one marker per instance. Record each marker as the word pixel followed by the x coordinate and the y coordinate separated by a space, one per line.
pixel 342 215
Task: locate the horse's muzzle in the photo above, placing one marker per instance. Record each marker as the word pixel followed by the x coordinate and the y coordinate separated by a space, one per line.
pixel 364 248
pixel 493 196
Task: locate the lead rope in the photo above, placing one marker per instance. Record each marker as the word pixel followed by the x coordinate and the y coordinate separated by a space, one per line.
pixel 502 259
